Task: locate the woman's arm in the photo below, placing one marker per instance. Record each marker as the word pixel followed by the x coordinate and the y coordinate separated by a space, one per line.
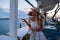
pixel 27 23
pixel 41 24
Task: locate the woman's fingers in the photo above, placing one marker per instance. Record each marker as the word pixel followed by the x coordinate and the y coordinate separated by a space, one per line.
pixel 23 20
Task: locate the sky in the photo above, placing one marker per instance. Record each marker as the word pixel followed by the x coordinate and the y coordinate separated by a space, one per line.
pixel 22 4
pixel 4 4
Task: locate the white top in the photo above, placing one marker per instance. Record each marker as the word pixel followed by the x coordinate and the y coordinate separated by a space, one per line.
pixel 34 25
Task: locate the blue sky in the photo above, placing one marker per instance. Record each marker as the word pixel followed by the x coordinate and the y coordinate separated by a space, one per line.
pixel 22 4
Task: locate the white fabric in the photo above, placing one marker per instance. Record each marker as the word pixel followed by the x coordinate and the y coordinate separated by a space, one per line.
pixel 36 35
pixel 21 32
pixel 49 27
pixel 34 25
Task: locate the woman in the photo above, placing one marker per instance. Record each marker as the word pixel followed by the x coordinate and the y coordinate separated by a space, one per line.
pixel 35 25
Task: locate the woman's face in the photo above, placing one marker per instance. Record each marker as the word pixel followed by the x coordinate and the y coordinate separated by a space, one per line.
pixel 32 18
pixel 33 13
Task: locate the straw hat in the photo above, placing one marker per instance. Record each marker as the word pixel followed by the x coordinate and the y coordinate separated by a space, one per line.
pixel 35 9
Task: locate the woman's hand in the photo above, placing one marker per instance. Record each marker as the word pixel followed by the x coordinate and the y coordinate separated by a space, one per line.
pixel 23 20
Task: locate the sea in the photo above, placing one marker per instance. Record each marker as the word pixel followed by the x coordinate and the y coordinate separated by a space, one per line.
pixel 4 20
pixel 4 25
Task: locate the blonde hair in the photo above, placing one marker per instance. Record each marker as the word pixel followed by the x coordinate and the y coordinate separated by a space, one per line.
pixel 38 19
pixel 37 15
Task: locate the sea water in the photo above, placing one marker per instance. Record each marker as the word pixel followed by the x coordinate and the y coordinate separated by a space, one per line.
pixel 4 26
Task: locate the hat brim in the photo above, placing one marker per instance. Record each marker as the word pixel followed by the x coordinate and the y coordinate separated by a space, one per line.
pixel 35 9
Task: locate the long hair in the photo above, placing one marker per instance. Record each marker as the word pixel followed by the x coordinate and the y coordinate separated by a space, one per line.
pixel 39 19
pixel 37 16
